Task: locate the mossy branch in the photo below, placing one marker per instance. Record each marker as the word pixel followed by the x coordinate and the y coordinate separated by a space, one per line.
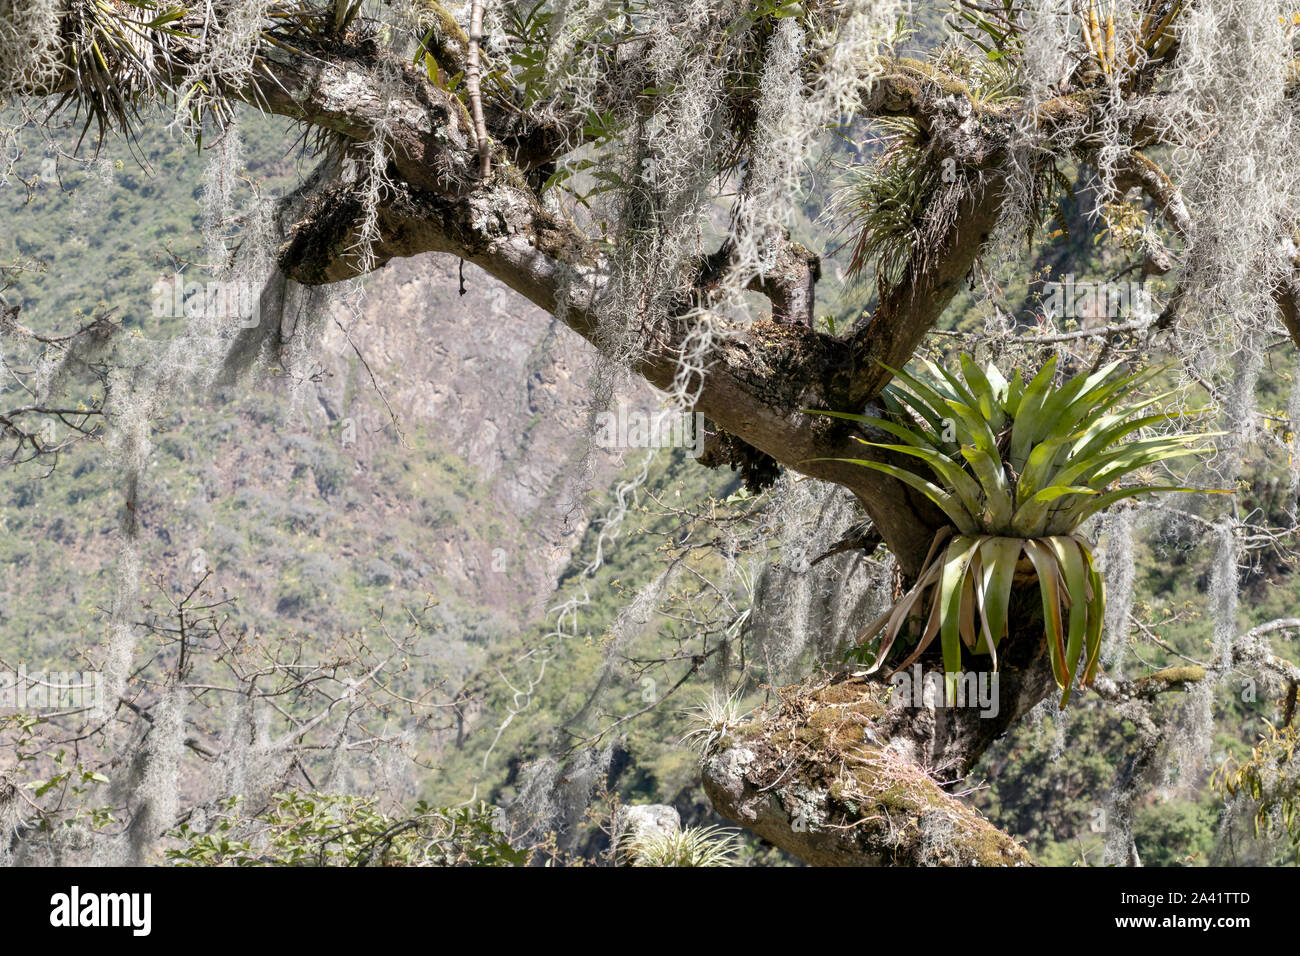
pixel 824 777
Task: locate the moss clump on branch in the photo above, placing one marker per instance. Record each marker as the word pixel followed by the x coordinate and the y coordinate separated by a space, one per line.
pixel 1173 676
pixel 815 777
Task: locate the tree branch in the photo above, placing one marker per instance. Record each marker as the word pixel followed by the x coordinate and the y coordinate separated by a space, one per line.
pixel 473 73
pixel 820 776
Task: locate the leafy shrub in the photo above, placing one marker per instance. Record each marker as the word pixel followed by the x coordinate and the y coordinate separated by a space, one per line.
pixel 317 829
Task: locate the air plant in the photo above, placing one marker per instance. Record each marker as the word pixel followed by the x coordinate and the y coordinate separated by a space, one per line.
pixel 884 202
pixel 897 206
pixel 120 54
pixel 693 846
pixel 124 55
pixel 1017 467
pixel 715 719
pixel 1148 41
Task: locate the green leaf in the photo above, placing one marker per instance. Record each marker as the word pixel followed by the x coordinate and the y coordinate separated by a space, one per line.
pixel 987 397
pixel 934 419
pixel 952 474
pixel 1109 498
pixel 1015 391
pixel 1032 517
pixel 1049 573
pixel 911 436
pixel 948 503
pixel 957 559
pixel 1029 409
pixel 1105 429
pixel 1137 455
pixel 998 559
pixel 997 487
pixel 927 392
pixel 976 428
pixel 1075 571
pixel 1096 618
pixel 1038 469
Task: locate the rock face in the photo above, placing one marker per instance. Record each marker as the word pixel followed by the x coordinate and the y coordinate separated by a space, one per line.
pixel 827 775
pixel 494 381
pixel 309 505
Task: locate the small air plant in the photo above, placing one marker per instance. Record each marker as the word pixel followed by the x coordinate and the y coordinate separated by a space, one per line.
pixel 883 201
pixel 898 204
pixel 1118 45
pixel 691 846
pixel 1017 468
pixel 713 720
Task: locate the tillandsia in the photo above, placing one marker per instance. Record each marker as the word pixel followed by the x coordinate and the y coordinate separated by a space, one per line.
pixel 1017 467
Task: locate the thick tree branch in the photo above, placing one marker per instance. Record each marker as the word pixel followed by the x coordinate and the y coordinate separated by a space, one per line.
pixel 822 777
pixel 910 308
pixel 854 771
pixel 759 378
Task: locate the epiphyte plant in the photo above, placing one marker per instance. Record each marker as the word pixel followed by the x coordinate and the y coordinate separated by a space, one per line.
pixel 1017 468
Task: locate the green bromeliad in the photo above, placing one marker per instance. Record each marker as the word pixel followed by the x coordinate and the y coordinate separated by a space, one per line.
pixel 1017 467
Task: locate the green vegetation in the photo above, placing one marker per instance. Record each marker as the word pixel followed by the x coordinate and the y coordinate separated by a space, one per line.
pixel 315 829
pixel 692 846
pixel 315 537
pixel 1017 466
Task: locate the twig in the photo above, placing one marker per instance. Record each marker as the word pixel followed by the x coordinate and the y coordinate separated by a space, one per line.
pixel 473 75
pixel 1137 325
